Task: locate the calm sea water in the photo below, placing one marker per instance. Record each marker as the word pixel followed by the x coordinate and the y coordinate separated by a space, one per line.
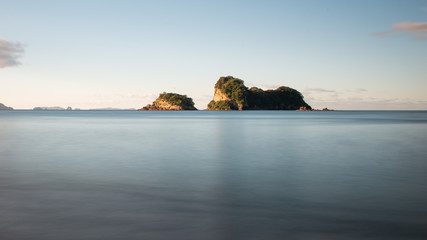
pixel 213 175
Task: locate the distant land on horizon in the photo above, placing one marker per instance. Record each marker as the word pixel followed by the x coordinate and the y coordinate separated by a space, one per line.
pixel 111 109
pixel 56 108
pixel 4 107
pixel 50 108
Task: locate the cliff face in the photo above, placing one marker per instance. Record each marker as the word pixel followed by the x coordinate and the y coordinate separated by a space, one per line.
pixel 219 96
pixel 171 101
pixel 232 94
pixel 3 107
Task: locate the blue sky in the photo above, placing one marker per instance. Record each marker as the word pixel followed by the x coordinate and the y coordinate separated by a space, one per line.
pixel 93 54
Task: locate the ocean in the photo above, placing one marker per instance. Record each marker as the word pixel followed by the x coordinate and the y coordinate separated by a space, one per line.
pixel 213 175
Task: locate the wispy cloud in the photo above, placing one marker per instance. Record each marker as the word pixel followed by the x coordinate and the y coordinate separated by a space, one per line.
pixel 118 100
pixel 417 29
pixel 140 96
pixel 357 98
pixel 320 90
pixel 263 86
pixel 331 91
pixel 358 90
pixel 9 53
pixel 369 103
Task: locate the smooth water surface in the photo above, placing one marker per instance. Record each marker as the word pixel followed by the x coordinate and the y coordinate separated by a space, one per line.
pixel 213 175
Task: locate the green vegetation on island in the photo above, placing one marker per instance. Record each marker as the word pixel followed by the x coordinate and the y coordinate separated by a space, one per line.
pixel 233 88
pixel 171 101
pixel 177 99
pixel 222 105
pixel 232 94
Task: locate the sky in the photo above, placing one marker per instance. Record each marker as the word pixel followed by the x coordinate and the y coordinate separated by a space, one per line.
pixel 349 55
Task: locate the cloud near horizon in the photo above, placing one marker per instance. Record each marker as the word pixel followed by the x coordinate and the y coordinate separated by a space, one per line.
pixel 9 53
pixel 418 29
pixel 319 90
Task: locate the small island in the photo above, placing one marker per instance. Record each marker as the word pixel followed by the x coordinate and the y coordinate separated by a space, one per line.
pixel 171 101
pixel 232 94
pixel 3 107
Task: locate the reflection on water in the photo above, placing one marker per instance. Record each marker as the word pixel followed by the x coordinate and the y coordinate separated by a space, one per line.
pixel 213 175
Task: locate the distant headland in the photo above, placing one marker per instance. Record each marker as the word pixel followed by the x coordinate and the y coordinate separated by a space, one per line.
pixel 78 109
pixel 52 109
pixel 3 107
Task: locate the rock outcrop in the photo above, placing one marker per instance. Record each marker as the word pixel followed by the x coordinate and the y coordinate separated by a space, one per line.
pixel 310 109
pixel 3 107
pixel 232 94
pixel 171 101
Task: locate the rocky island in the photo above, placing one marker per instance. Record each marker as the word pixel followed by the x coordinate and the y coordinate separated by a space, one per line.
pixel 171 101
pixel 232 94
pixel 3 107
